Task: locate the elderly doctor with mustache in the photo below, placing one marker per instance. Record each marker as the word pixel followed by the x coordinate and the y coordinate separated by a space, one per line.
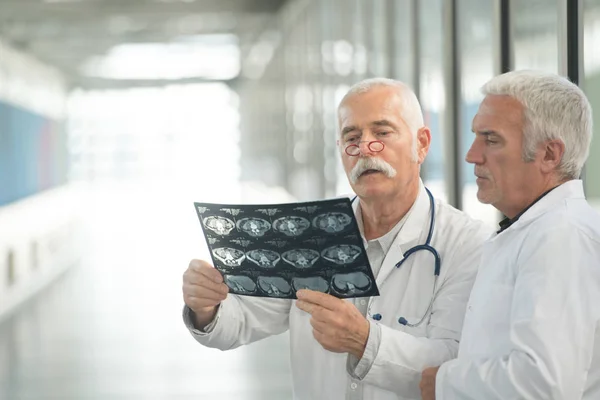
pixel 366 348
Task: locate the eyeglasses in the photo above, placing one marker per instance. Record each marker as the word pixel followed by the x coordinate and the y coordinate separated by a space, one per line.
pixel 375 146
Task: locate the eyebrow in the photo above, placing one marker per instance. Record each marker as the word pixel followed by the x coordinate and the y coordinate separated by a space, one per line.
pixel 381 122
pixel 486 132
pixel 349 129
pixel 384 122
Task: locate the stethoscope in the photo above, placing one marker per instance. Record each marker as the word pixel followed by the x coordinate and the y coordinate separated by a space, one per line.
pixel 427 247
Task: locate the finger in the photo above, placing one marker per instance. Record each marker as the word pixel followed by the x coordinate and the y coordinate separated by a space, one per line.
pixel 314 309
pixel 206 269
pixel 205 275
pixel 320 326
pixel 205 292
pixel 323 299
pixel 195 278
pixel 305 306
pixel 326 319
pixel 319 335
pixel 196 303
pixel 326 316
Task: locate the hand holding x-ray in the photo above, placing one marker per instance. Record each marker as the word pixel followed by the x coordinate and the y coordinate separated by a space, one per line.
pixel 337 324
pixel 203 291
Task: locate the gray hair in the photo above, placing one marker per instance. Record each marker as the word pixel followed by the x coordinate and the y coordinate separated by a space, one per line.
pixel 410 112
pixel 554 108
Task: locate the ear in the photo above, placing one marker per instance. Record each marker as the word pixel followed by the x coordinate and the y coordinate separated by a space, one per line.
pixel 423 143
pixel 553 152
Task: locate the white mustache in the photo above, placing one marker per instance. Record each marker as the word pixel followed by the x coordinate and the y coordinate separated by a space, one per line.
pixel 371 163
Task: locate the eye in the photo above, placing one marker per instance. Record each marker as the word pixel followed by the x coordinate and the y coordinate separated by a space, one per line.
pixel 384 133
pixel 489 140
pixel 351 139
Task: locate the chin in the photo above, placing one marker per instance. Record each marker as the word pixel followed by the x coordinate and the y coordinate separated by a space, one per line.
pixel 370 189
pixel 484 197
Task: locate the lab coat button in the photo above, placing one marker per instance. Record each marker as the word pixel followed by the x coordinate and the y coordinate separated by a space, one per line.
pixel 353 386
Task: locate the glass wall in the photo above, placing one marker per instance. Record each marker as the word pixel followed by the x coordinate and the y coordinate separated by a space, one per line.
pixel 536 33
pixel 477 48
pixel 401 41
pixel 591 85
pixel 431 82
pixel 320 48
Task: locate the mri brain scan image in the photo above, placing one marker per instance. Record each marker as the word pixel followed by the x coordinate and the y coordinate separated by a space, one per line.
pixel 274 286
pixel 301 258
pixel 255 227
pixel 354 283
pixel 291 225
pixel 341 254
pixel 228 256
pixel 332 222
pixel 263 258
pixel 313 283
pixel 219 225
pixel 240 284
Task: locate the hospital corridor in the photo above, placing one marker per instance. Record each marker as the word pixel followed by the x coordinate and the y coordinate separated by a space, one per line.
pixel 110 326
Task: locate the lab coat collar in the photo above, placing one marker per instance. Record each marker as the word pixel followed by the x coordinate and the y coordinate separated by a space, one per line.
pixel 572 189
pixel 508 222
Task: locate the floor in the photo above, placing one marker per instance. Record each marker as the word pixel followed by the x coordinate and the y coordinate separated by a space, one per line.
pixel 111 329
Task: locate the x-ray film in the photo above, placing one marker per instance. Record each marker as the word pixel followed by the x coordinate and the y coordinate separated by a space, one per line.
pixel 277 249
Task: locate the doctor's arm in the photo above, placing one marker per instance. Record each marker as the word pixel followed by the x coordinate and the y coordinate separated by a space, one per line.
pixel 552 327
pixel 398 358
pixel 228 321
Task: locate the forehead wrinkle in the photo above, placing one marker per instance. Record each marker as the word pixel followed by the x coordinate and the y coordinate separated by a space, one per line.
pixel 390 108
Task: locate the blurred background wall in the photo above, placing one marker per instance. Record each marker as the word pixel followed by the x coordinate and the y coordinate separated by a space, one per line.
pixel 37 203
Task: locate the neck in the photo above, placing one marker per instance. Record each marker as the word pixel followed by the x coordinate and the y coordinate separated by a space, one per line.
pixel 381 214
pixel 529 198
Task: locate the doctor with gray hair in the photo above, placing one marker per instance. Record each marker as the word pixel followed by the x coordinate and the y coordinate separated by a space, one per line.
pixel 422 251
pixel 532 328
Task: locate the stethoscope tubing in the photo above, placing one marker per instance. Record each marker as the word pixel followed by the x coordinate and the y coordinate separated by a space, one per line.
pixel 427 247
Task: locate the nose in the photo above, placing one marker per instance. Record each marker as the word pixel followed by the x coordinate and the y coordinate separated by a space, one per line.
pixel 475 153
pixel 365 143
pixel 365 150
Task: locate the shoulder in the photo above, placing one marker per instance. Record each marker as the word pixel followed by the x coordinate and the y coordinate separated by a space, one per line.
pixel 570 219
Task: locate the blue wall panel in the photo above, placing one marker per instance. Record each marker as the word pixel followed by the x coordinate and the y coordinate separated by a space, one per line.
pixel 33 154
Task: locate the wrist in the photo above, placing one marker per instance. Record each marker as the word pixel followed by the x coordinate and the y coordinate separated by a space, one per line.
pixel 363 338
pixel 204 316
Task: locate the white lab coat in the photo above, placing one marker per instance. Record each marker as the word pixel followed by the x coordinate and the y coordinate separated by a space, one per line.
pixel 394 370
pixel 532 326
